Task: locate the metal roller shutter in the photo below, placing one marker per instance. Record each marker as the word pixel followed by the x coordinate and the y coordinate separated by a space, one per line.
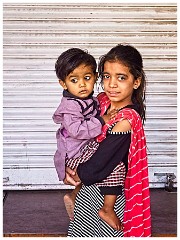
pixel 34 34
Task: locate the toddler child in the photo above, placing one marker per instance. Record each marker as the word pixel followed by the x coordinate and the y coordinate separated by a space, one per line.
pixel 78 113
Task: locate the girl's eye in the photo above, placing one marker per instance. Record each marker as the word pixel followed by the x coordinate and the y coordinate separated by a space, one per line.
pixel 121 77
pixel 74 80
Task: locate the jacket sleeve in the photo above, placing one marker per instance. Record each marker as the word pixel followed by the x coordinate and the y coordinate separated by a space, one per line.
pixel 111 151
pixel 77 126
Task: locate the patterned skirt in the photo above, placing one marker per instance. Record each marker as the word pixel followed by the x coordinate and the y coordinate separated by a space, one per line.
pixel 86 221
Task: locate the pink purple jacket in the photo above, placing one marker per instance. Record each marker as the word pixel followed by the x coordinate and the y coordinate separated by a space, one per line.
pixel 80 122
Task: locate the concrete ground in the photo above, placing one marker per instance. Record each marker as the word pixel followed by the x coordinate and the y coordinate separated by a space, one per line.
pixel 42 213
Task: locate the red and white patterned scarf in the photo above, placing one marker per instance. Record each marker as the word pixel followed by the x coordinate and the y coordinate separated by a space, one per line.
pixel 137 215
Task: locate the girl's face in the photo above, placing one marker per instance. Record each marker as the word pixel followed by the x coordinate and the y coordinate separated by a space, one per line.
pixel 80 82
pixel 119 83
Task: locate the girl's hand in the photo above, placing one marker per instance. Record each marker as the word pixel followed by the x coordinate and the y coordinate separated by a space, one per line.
pixel 71 177
pixel 111 114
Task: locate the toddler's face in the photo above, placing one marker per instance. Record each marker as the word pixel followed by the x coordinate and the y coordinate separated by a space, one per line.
pixel 80 82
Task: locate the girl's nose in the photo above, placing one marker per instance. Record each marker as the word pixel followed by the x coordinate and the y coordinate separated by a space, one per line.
pixel 112 82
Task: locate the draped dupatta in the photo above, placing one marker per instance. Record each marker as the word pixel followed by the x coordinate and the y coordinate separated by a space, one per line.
pixel 137 215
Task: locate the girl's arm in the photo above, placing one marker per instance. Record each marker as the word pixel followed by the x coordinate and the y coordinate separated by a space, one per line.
pixel 112 150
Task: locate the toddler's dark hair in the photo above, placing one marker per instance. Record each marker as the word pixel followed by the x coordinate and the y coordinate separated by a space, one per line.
pixel 131 58
pixel 71 59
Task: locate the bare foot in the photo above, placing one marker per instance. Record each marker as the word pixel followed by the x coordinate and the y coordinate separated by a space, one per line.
pixel 110 217
pixel 69 201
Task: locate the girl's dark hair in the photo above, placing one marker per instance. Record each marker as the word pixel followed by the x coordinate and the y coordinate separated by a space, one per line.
pixel 131 58
pixel 71 59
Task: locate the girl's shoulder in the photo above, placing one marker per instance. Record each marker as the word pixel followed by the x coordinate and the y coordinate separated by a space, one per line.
pixel 129 114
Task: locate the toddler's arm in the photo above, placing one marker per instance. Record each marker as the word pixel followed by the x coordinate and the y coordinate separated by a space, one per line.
pixel 79 126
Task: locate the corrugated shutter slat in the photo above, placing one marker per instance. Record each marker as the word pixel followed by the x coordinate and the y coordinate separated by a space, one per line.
pixel 33 37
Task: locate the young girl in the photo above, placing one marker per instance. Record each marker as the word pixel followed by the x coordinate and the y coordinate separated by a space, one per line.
pixel 78 112
pixel 122 140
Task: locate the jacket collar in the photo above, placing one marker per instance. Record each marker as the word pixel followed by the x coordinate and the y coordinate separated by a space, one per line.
pixel 69 95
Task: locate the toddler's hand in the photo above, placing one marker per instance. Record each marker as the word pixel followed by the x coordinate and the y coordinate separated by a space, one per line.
pixel 110 115
pixel 113 113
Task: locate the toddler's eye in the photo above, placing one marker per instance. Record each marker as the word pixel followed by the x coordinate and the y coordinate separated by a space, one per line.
pixel 74 80
pixel 87 78
pixel 105 77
